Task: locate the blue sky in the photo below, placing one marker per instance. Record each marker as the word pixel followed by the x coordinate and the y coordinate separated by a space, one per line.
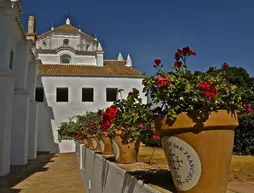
pixel 218 30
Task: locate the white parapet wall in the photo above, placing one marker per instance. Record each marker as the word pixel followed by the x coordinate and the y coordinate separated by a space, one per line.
pixel 102 176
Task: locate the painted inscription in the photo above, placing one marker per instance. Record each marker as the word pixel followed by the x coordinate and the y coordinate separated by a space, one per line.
pixel 102 146
pixel 85 142
pixel 94 143
pixel 183 161
pixel 116 149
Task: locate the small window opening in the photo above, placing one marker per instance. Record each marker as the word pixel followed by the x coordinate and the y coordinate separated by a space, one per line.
pixel 87 94
pixel 62 95
pixel 111 94
pixel 65 42
pixel 11 61
pixel 65 59
pixel 39 94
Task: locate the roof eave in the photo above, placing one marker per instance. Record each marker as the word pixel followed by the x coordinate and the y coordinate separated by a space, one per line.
pixel 91 76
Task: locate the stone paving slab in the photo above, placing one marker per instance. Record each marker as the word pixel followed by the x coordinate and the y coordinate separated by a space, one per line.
pixel 241 187
pixel 47 174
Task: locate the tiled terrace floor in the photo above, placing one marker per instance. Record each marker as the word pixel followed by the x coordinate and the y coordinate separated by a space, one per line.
pixel 57 173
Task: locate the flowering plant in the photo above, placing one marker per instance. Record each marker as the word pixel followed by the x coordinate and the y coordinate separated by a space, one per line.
pixel 133 118
pixel 91 123
pixel 180 90
pixel 74 129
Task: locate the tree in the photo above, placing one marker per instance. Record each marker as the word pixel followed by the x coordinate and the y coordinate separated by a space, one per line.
pixel 239 77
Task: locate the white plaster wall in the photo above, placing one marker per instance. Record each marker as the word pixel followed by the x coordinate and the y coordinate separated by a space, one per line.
pixel 6 106
pixel 45 139
pixel 10 36
pixel 77 42
pixel 75 59
pixel 56 112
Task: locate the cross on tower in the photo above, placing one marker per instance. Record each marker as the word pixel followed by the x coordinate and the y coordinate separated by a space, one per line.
pixel 68 13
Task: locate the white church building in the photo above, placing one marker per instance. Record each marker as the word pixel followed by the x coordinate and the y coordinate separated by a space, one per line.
pixel 45 79
pixel 74 78
pixel 18 71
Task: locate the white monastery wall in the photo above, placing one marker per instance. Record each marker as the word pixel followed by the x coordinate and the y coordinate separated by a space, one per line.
pixel 59 112
pixel 76 42
pixel 75 59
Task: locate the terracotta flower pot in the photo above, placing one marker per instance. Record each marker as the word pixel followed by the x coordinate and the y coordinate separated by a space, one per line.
pixel 199 151
pixel 79 141
pixel 87 142
pixel 94 143
pixel 105 145
pixel 124 153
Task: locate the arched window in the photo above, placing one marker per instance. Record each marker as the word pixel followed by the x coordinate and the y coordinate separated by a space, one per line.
pixel 65 42
pixel 87 46
pixel 65 59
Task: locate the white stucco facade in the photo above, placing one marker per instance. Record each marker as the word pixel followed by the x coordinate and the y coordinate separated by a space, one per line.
pixel 82 50
pixel 63 57
pixel 17 66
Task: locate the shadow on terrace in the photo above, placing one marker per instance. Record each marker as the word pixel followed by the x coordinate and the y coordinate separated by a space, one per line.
pixel 20 173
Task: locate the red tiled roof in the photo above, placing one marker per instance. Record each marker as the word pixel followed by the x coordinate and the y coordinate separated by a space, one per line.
pixel 66 28
pixel 110 69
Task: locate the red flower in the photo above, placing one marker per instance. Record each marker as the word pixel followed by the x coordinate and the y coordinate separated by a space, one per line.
pixel 111 112
pixel 140 126
pixel 79 133
pixel 106 122
pixel 208 88
pixel 130 93
pixel 99 112
pixel 108 116
pixel 91 125
pixel 188 51
pixel 178 64
pixel 177 55
pixel 225 65
pixel 157 62
pixel 160 82
pixel 156 136
pixel 248 108
pixel 103 128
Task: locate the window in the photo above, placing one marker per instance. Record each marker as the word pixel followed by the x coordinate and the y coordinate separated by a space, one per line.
pixel 65 42
pixel 111 94
pixel 39 94
pixel 11 60
pixel 65 59
pixel 87 94
pixel 62 95
pixel 87 46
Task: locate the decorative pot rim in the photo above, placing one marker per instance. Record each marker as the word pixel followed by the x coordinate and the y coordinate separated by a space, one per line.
pixel 220 119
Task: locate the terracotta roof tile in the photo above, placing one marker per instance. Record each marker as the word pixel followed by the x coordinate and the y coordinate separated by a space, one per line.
pixel 110 69
pixel 66 28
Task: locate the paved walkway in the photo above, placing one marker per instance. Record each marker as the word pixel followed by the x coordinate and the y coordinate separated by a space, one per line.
pixel 240 187
pixel 48 174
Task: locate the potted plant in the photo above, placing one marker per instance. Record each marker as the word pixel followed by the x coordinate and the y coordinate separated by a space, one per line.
pixel 104 140
pixel 132 118
pixel 71 130
pixel 91 125
pixel 196 116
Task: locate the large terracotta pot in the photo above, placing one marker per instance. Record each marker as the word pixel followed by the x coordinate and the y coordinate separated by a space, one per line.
pixel 105 145
pixel 199 151
pixel 94 143
pixel 87 142
pixel 79 141
pixel 124 153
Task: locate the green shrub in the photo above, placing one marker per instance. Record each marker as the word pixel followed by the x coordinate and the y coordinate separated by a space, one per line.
pixel 244 135
pixel 69 130
pixel 147 139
